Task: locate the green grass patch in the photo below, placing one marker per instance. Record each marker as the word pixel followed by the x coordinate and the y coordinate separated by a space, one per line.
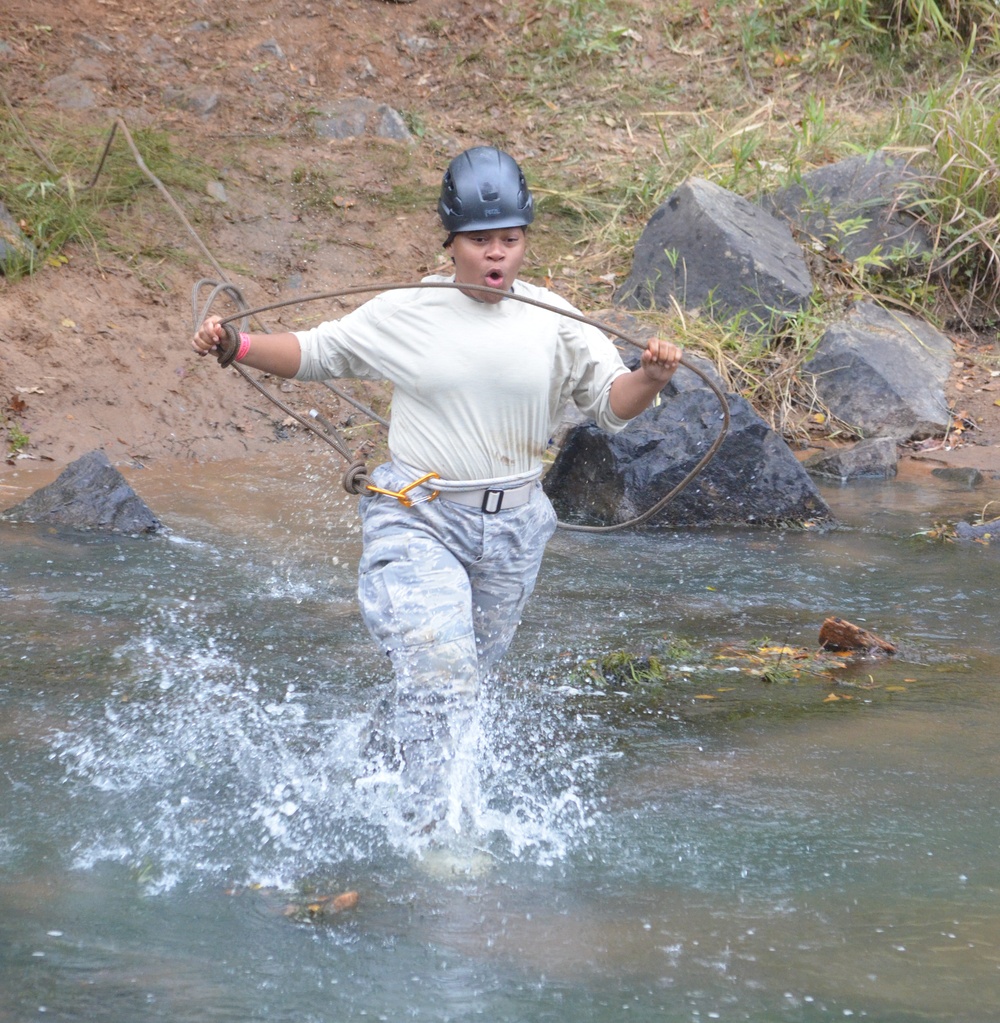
pixel 60 193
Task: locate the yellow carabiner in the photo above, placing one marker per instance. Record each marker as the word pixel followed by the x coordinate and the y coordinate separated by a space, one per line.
pixel 400 495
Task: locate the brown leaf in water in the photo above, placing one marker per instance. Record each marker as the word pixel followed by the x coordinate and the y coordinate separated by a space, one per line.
pixel 346 900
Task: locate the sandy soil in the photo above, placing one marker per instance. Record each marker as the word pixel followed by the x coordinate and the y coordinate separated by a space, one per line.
pixel 94 353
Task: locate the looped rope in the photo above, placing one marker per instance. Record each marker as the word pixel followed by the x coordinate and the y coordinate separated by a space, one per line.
pixel 331 437
pixel 365 289
pixel 228 353
pixel 356 478
pixel 198 313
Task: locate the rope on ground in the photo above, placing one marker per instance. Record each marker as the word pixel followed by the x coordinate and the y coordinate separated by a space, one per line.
pixel 356 479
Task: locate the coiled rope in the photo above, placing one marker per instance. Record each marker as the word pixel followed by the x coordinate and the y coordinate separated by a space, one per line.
pixel 356 479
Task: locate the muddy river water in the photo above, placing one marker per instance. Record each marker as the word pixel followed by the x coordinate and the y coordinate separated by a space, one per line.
pixel 180 721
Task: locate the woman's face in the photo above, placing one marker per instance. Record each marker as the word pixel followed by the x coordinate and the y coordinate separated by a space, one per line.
pixel 489 258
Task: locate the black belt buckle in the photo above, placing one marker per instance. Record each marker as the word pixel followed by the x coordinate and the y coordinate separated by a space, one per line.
pixel 492 502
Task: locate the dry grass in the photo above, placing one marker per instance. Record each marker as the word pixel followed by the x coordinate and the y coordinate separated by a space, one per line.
pixel 761 94
pixel 612 104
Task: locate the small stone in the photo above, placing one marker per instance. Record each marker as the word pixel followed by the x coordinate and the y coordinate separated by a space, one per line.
pixel 201 101
pixel 94 43
pixel 271 46
pixel 963 476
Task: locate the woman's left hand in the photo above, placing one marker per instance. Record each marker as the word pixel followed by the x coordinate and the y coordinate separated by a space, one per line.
pixel 660 360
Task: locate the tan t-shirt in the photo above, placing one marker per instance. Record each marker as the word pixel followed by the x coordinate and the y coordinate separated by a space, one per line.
pixel 477 388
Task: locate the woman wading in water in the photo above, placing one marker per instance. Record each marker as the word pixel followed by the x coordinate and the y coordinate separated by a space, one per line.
pixel 478 388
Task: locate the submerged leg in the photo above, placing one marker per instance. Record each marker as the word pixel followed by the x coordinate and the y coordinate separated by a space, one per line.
pixel 442 588
pixel 416 601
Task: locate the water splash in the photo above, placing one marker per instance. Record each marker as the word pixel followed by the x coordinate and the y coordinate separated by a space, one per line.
pixel 199 768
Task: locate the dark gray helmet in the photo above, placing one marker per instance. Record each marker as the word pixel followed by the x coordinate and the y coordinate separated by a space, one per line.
pixel 484 188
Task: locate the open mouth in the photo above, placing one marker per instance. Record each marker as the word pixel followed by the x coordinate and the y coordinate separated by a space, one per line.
pixel 494 278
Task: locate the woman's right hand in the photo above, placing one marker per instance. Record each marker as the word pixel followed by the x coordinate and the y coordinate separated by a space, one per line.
pixel 208 336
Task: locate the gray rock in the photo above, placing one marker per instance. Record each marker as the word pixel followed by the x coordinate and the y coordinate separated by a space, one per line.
pixel 15 248
pixel 70 92
pixel 89 494
pixel 200 100
pixel 876 458
pixel 754 479
pixel 157 50
pixel 345 120
pixel 708 248
pixel 978 531
pixel 389 124
pixel 883 373
pixel 90 69
pixel 416 45
pixel 78 88
pixel 963 476
pixel 353 118
pixel 94 43
pixel 856 207
pixel 365 70
pixel 275 103
pixel 273 47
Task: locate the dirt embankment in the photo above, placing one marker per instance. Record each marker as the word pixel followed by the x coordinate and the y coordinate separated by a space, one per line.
pixel 94 351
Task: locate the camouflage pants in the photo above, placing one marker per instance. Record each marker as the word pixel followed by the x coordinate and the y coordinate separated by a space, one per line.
pixel 442 586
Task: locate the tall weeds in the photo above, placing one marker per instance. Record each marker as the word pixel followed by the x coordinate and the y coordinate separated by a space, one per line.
pixel 53 199
pixel 957 128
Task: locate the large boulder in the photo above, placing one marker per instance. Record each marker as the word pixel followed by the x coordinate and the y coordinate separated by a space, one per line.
pixel 89 494
pixel 858 207
pixel 754 479
pixel 710 249
pixel 883 373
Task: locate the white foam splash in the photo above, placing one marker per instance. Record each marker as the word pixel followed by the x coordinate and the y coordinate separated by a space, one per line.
pixel 203 769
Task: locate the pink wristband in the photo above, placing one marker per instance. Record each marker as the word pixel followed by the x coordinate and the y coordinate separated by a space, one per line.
pixel 244 347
